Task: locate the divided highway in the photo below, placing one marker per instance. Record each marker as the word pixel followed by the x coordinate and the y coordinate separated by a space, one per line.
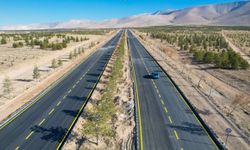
pixel 45 123
pixel 165 120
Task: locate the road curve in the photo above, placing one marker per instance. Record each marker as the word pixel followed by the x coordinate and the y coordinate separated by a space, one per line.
pixel 45 124
pixel 165 120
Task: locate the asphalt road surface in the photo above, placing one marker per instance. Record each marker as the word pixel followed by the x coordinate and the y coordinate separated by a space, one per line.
pixel 165 120
pixel 45 124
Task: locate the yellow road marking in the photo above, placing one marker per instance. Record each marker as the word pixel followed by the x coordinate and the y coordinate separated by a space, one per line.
pixel 162 102
pixel 58 103
pixel 138 105
pixel 28 136
pixel 157 91
pixel 182 148
pixel 166 110
pixel 41 122
pixel 139 111
pixel 170 120
pixel 176 135
pixel 160 95
pixel 51 111
pixel 17 148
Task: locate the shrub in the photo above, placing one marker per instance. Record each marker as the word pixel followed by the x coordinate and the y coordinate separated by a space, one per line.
pixel 3 41
pixel 16 45
pixel 198 55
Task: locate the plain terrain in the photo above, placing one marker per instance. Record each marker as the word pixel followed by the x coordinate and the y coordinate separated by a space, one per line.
pixel 17 64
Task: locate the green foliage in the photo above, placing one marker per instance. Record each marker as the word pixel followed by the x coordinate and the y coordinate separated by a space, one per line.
pixel 208 57
pixel 226 59
pixel 206 43
pixel 3 40
pixel 17 45
pixel 57 46
pixel 53 64
pixel 199 55
pixel 60 62
pixel 77 39
pixel 7 86
pixel 240 39
pixel 36 73
pixel 71 55
pixel 75 53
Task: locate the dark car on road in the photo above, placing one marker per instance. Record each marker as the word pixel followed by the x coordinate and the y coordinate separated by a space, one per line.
pixel 155 75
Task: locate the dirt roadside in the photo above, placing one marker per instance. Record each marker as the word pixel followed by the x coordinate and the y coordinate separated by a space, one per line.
pixel 25 96
pixel 124 104
pixel 209 108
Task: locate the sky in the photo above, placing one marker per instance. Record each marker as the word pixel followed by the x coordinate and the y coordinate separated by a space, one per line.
pixel 17 12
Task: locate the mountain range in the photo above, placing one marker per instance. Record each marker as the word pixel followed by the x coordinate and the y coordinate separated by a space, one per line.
pixel 228 14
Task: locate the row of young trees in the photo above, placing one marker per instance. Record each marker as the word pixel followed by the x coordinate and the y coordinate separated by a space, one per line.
pixel 200 40
pixel 76 53
pixel 239 38
pixel 55 63
pixel 206 47
pixel 43 44
pixel 225 59
pixel 102 117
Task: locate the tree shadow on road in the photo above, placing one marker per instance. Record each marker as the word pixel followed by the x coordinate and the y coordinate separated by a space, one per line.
pixel 76 98
pixel 93 74
pixel 92 81
pixel 72 113
pixel 189 127
pixel 205 112
pixel 52 134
